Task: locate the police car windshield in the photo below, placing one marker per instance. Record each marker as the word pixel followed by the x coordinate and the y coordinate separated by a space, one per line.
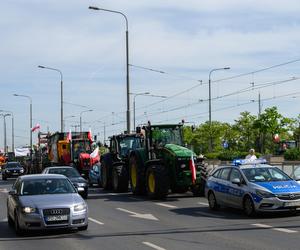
pixel 259 174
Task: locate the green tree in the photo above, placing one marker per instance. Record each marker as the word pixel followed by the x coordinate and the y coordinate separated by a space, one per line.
pixel 269 123
pixel 247 133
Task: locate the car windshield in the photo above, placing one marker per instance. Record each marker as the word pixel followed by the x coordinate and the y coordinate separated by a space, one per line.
pixel 46 186
pixel 163 136
pixel 13 165
pixel 265 174
pixel 68 172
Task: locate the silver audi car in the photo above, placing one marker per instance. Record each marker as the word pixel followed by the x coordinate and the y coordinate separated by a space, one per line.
pixel 45 202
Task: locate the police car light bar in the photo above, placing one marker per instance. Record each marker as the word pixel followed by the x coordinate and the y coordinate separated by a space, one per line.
pixel 238 162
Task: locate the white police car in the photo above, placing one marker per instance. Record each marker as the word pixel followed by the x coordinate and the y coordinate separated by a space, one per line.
pixel 253 187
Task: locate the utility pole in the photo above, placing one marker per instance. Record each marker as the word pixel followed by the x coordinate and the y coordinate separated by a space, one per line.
pixel 259 105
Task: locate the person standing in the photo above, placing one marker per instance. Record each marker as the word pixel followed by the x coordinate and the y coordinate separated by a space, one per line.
pixel 251 156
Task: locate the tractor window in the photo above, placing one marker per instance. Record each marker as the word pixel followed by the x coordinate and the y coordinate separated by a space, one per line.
pixel 163 136
pixel 128 144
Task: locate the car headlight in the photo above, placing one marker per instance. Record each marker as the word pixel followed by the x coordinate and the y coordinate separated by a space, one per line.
pixel 80 207
pixel 264 194
pixel 22 171
pixel 28 210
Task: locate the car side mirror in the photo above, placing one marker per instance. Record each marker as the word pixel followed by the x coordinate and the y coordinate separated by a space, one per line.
pixel 12 192
pixel 297 178
pixel 236 181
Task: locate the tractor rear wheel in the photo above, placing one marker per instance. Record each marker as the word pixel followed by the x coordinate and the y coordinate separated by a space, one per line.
pixel 157 182
pixel 136 176
pixel 120 179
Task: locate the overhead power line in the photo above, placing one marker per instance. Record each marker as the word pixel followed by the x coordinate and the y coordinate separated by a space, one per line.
pixel 215 81
pixel 259 86
pixel 204 114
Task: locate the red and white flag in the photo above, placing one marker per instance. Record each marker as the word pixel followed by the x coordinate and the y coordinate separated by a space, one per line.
pixel 36 127
pixel 89 136
pixel 95 157
pixel 69 136
pixel 193 169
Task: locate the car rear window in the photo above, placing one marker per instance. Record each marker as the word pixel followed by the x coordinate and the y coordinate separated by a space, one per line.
pixel 68 172
pixel 12 165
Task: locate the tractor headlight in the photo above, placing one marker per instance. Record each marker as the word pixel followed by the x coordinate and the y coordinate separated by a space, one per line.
pixel 183 165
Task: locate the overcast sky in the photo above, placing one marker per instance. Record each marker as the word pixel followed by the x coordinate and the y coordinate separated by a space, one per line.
pixel 183 39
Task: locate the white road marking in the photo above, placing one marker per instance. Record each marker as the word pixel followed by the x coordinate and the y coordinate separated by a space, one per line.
pixel 3 190
pixel 275 228
pixel 285 230
pixel 261 225
pixel 203 203
pixel 113 194
pixel 96 221
pixel 137 215
pixel 166 205
pixel 153 246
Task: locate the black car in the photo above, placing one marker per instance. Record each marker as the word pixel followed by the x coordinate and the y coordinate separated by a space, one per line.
pixel 12 169
pixel 80 183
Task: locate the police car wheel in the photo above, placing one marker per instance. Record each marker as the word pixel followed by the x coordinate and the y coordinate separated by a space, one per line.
pixel 212 202
pixel 249 206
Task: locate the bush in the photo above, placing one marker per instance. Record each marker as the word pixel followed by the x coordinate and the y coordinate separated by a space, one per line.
pixel 228 155
pixel 292 154
pixel 212 155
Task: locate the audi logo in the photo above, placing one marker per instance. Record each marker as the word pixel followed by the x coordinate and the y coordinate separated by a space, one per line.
pixel 56 211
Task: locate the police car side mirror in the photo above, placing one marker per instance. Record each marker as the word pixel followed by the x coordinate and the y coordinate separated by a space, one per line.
pixel 297 178
pixel 236 181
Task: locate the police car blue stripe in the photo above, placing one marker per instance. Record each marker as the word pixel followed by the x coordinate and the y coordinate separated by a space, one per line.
pixel 279 187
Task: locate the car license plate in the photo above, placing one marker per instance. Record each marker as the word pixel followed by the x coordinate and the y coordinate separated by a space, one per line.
pixel 56 217
pixel 292 204
pixel 15 173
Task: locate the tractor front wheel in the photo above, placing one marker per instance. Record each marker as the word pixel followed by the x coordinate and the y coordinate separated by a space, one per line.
pixel 120 179
pixel 157 182
pixel 136 176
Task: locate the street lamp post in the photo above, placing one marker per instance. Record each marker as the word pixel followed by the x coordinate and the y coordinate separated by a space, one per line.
pixel 210 146
pixel 61 96
pixel 144 94
pixel 4 132
pixel 70 116
pixel 30 119
pixel 90 110
pixel 104 131
pixel 127 62
pixel 134 96
pixel 12 129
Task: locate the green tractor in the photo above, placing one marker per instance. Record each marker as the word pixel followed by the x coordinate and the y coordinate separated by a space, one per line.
pixel 114 164
pixel 164 163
